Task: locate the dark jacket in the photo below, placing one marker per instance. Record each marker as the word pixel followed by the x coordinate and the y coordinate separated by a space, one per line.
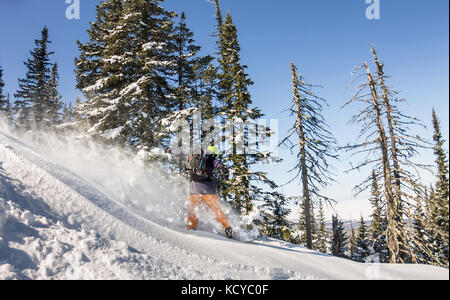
pixel 206 187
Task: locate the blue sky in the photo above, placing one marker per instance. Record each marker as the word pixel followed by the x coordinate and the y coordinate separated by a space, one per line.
pixel 325 39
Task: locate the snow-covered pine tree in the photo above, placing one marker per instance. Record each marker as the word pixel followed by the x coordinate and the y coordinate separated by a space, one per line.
pixel 67 113
pixel 352 239
pixel 32 95
pixel 363 244
pixel 194 85
pixel 211 76
pixel 322 232
pixel 339 243
pixel 207 95
pixel 189 66
pixel 70 120
pixel 426 234
pixel 313 144
pixel 379 222
pixel 300 236
pixel 52 107
pixel 5 106
pixel 442 185
pixel 219 17
pixel 2 85
pixel 69 116
pixel 235 104
pixel 242 190
pixel 439 200
pixel 315 227
pixel 275 224
pixel 73 111
pixel 421 243
pixel 125 72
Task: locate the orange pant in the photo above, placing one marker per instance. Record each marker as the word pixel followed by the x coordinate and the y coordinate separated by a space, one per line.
pixel 213 203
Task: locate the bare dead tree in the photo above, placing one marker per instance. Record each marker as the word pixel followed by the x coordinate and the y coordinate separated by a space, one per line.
pixel 389 147
pixel 403 147
pixel 314 143
pixel 375 147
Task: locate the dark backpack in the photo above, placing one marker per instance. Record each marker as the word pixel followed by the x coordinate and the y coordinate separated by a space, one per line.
pixel 201 167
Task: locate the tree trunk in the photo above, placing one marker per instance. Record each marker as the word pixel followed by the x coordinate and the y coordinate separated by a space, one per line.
pixel 390 199
pixel 335 246
pixel 394 152
pixel 391 131
pixel 303 167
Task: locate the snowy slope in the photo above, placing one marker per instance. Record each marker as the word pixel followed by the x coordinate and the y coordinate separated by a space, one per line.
pixel 59 220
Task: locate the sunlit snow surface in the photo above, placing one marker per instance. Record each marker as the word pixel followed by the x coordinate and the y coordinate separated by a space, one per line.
pixel 70 210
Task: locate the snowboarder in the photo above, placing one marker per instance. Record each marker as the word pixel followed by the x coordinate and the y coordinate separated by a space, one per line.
pixel 203 187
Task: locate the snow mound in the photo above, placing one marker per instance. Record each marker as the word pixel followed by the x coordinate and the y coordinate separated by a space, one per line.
pixel 35 243
pixel 51 250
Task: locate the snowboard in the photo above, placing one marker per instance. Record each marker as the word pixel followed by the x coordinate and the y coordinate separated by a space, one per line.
pixel 245 235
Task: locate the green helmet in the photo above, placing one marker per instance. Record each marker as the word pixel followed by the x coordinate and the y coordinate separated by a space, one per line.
pixel 213 150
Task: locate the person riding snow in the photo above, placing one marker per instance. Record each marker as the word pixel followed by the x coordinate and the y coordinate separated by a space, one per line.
pixel 203 188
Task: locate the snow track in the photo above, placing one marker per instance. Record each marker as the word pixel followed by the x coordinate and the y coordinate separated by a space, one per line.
pixel 82 205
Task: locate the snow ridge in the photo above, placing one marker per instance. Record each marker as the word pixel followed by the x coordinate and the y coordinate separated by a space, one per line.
pixel 58 224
